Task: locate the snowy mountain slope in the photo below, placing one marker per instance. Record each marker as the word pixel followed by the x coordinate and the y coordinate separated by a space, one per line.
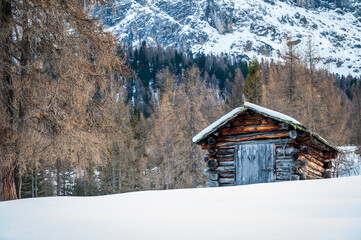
pixel 252 27
pixel 317 209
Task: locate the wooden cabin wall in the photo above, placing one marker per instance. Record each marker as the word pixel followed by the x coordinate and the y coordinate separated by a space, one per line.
pixel 314 156
pixel 294 158
pixel 316 165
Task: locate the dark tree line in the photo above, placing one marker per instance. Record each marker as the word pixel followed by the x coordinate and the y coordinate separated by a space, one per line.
pixel 218 72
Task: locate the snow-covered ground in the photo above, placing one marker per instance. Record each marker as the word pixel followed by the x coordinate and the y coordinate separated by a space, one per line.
pixel 317 209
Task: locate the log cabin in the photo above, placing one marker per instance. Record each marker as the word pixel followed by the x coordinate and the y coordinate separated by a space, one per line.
pixel 253 144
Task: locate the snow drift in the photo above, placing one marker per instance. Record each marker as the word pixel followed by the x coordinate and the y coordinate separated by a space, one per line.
pixel 317 209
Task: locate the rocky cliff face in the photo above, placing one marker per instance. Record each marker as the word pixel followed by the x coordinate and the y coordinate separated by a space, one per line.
pixel 220 16
pixel 252 28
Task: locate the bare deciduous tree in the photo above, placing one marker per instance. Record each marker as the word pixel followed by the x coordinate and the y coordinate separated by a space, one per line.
pixel 56 65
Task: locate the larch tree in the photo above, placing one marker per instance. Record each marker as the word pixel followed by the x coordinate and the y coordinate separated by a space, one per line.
pixel 164 149
pixel 185 107
pixel 291 59
pixel 237 96
pixel 298 88
pixel 56 64
pixel 199 107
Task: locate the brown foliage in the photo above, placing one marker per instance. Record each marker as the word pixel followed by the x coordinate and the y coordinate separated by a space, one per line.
pixel 57 65
pixel 297 88
pixel 183 111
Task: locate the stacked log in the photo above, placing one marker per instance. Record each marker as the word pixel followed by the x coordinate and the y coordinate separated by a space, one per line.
pixel 298 154
pixel 225 170
pixel 253 127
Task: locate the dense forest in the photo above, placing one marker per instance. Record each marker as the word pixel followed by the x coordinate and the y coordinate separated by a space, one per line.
pixel 81 114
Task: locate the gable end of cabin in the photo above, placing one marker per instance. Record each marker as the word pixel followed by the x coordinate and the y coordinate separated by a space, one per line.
pixel 252 147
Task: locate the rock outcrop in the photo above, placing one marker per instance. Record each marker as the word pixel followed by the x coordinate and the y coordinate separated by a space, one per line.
pixel 252 27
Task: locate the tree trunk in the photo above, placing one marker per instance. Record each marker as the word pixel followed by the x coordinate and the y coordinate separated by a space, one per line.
pixel 25 55
pixel 8 191
pixel 193 150
pixel 58 177
pixel 32 184
pixel 120 170
pixel 36 182
pixel 64 184
pixel 17 181
pixel 113 168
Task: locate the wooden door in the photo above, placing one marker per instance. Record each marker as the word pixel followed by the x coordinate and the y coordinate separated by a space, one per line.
pixel 255 163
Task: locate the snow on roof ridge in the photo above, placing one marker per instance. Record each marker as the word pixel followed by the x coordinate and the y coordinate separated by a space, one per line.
pixel 271 113
pixel 262 110
pixel 220 122
pixel 211 128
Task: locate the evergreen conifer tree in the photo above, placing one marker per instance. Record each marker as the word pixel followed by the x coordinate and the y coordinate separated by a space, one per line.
pixel 252 90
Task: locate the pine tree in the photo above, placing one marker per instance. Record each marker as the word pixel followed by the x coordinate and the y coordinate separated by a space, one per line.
pixel 252 90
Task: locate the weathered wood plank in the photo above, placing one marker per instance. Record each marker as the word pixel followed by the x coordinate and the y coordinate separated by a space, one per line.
pixel 226 160
pixel 315 166
pixel 313 159
pixel 255 163
pixel 225 169
pixel 284 158
pixel 306 138
pixel 286 151
pixel 218 157
pixel 251 129
pixel 312 149
pixel 269 139
pixel 218 146
pixel 225 151
pixel 226 180
pixel 284 166
pixel 314 152
pixel 226 172
pixel 250 115
pixel 311 176
pixel 283 175
pixel 226 176
pixel 230 163
pixel 247 122
pixel 251 136
pixel 284 161
pixel 310 171
pixel 320 145
pixel 284 145
pixel 225 156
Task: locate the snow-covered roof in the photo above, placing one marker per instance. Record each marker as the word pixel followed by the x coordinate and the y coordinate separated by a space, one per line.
pixel 258 109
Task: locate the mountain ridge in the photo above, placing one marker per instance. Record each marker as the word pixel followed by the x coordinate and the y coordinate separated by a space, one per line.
pixel 243 28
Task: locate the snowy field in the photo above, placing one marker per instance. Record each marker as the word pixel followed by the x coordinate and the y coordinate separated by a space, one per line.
pixel 318 209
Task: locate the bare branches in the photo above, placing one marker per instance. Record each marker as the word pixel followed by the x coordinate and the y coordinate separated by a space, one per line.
pixel 58 64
